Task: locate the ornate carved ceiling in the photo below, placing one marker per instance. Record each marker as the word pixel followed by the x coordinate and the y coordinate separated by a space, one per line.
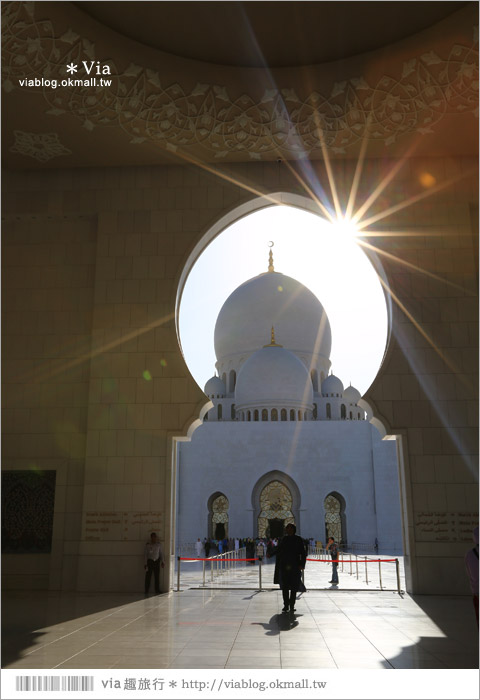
pixel 135 103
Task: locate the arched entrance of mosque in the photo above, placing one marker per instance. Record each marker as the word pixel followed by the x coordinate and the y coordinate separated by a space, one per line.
pixel 335 524
pixel 336 505
pixel 218 516
pixel 275 503
pixel 275 509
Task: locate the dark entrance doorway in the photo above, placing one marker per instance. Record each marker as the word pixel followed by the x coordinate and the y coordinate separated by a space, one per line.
pixel 275 528
pixel 220 531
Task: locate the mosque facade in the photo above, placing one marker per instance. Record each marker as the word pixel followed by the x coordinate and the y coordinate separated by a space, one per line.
pixel 283 440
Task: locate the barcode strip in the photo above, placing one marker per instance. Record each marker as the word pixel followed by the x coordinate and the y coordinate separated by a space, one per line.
pixel 54 683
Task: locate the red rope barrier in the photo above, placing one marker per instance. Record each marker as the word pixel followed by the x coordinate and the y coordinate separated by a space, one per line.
pixel 336 561
pixel 352 561
pixel 212 559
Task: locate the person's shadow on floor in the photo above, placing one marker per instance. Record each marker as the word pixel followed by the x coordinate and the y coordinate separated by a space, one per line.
pixel 279 623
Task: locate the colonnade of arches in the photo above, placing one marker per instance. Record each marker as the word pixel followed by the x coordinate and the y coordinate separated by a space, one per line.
pixel 274 414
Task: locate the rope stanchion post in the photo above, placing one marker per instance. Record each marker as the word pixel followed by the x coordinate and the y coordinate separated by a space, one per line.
pixel 366 572
pixel 203 562
pixel 350 565
pixel 397 566
pixel 341 555
pixel 259 574
pixel 380 573
pixel 178 574
pixel 211 569
pixel 356 564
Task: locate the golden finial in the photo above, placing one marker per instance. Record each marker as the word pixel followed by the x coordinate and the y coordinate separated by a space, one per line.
pixel 270 257
pixel 273 343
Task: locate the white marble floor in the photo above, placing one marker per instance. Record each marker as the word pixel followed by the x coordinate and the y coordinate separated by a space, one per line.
pixel 235 629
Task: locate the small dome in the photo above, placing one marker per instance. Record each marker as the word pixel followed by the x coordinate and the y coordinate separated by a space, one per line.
pixel 274 376
pixel 214 387
pixel 332 385
pixel 352 395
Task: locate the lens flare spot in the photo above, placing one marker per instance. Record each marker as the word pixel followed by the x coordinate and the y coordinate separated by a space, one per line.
pixel 427 180
pixel 146 375
pixel 280 288
pixel 109 384
pixel 163 362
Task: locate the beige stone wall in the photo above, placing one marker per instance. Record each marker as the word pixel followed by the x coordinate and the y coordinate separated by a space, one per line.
pixel 48 268
pixel 96 387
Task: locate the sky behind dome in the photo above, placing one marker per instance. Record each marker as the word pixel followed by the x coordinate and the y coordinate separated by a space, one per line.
pixel 309 249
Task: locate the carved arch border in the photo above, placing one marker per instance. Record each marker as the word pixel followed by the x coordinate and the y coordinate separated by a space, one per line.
pixel 264 480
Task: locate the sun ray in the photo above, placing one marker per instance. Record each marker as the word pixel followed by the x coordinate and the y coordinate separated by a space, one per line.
pixel 358 170
pixel 48 373
pixel 410 265
pixel 412 200
pixel 401 234
pixel 381 186
pixel 328 168
pixel 309 190
pixel 419 372
pixel 424 333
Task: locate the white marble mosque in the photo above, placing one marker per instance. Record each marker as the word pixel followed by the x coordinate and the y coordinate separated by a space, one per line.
pixel 284 440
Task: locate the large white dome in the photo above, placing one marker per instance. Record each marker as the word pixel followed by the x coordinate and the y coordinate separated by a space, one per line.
pixel 273 299
pixel 274 376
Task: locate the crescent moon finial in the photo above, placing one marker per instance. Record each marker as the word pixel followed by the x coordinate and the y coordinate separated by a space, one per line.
pixel 270 257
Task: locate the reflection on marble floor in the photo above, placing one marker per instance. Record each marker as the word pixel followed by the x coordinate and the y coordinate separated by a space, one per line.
pixel 238 629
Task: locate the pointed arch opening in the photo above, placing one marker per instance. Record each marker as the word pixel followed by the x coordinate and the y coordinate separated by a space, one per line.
pixel 218 507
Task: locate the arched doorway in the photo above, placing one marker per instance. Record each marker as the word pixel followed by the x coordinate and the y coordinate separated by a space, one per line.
pixel 335 524
pixel 234 217
pixel 276 503
pixel 218 516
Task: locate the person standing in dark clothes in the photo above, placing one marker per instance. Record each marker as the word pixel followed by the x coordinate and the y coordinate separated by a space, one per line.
pixel 291 558
pixel 332 548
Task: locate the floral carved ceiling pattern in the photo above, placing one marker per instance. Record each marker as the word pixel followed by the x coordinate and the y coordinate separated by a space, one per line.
pixel 208 121
pixel 42 147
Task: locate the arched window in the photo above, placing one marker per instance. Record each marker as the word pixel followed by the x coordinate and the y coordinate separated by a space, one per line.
pixel 219 411
pixel 315 411
pixel 329 411
pixel 359 416
pixel 304 415
pixel 314 377
pixel 232 380
pixel 224 379
pixel 264 414
pixel 283 414
pixel 232 412
pixel 350 415
pixel 343 411
pixel 274 414
pixel 299 415
pixel 292 414
pixel 255 415
pixel 249 415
